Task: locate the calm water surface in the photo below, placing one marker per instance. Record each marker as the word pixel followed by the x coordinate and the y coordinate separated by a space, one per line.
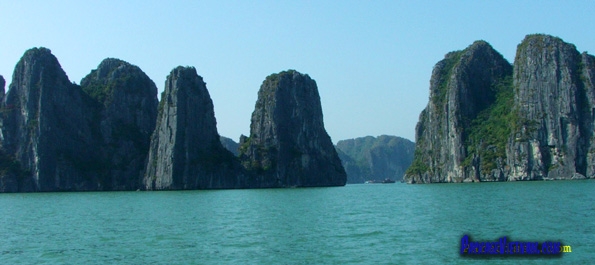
pixel 356 224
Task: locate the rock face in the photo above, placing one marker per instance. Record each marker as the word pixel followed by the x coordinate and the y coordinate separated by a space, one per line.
pixel 2 84
pixel 46 129
pixel 230 145
pixel 111 133
pixel 57 136
pixel 556 99
pixel 461 87
pixel 10 169
pixel 124 119
pixel 185 149
pixel 493 123
pixel 375 158
pixel 288 145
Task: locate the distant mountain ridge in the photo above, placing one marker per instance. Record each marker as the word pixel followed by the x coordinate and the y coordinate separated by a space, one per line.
pixel 375 158
pixel 230 145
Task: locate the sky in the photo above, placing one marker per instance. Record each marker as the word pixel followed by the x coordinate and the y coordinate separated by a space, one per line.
pixel 372 60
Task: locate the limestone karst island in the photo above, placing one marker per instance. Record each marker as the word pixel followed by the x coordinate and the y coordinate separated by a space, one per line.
pixel 111 133
pixel 486 120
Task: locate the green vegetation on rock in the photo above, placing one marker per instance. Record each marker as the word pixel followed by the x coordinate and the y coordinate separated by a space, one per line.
pixel 103 92
pixel 491 128
pixel 375 158
pixel 417 166
pixel 450 62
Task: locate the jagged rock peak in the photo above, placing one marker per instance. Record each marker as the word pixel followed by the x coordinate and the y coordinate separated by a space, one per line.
pixel 185 149
pixel 540 41
pixel 36 60
pixel 187 78
pixel 288 145
pixel 115 73
pixel 107 69
pixel 38 53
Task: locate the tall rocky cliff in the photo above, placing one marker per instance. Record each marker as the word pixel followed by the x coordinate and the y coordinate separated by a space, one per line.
pixel 58 136
pixel 556 102
pixel 10 169
pixel 185 149
pixel 111 133
pixel 125 112
pixel 488 121
pixel 288 145
pixel 375 158
pixel 46 128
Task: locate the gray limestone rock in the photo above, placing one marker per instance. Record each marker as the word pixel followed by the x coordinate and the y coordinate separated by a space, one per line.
pixel 461 87
pixel 58 136
pixel 9 168
pixel 288 145
pixel 124 119
pixel 555 98
pixel 45 127
pixel 186 152
pixel 490 126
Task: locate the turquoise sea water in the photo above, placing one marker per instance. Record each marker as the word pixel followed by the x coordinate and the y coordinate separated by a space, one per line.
pixel 355 224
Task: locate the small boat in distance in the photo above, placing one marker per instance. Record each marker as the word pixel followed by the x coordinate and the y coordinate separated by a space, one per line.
pixel 385 181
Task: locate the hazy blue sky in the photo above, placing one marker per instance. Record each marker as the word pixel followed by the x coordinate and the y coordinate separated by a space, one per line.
pixel 372 60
